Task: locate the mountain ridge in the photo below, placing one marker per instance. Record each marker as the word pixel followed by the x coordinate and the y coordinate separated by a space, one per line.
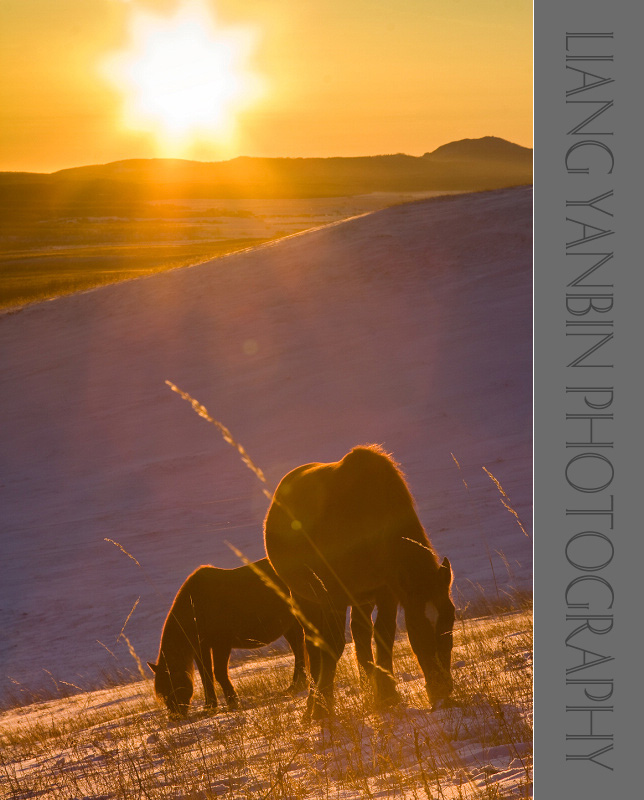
pixel 465 165
pixel 466 148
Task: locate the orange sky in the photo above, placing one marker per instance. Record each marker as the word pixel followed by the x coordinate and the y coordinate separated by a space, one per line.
pixel 340 77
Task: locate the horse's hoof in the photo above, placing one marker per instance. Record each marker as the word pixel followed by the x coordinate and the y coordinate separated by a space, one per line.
pixel 292 690
pixel 316 712
pixel 321 711
pixel 177 719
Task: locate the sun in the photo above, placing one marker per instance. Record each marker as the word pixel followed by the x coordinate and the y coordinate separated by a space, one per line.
pixel 184 78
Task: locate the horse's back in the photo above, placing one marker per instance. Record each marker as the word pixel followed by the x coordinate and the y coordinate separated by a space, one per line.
pixel 208 582
pixel 240 605
pixel 342 521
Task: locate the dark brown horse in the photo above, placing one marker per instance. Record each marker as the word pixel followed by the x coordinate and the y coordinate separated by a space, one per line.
pixel 214 611
pixel 345 533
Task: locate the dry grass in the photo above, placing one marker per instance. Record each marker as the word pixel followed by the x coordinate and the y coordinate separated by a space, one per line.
pixel 118 743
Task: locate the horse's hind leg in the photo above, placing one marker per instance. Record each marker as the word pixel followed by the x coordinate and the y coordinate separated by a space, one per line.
pixel 384 635
pixel 313 653
pixel 330 625
pixel 294 635
pixel 220 658
pixel 362 632
pixel 312 614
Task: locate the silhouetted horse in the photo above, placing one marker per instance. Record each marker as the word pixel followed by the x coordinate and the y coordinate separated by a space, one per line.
pixel 214 611
pixel 345 533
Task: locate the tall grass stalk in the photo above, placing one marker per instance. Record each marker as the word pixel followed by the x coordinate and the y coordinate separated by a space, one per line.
pixel 505 500
pixel 480 526
pixel 202 411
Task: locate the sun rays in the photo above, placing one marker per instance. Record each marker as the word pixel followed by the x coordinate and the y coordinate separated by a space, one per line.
pixel 184 78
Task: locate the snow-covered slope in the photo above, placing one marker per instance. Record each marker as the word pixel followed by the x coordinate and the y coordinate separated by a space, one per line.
pixel 409 327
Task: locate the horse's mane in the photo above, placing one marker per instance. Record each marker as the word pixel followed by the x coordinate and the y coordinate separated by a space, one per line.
pixel 374 458
pixel 369 457
pixel 177 634
pixel 360 452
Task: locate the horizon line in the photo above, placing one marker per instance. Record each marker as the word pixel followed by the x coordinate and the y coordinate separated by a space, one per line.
pixel 265 158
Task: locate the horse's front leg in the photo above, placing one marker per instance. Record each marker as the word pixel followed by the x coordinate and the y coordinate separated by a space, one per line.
pixel 384 635
pixel 204 665
pixel 220 656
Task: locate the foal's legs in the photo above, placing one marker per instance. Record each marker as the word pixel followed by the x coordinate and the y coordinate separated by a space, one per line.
pixel 294 635
pixel 204 665
pixel 220 656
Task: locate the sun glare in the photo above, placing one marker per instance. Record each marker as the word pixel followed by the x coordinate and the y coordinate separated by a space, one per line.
pixel 184 78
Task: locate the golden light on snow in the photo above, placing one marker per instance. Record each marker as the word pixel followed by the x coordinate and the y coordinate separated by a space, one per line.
pixel 184 78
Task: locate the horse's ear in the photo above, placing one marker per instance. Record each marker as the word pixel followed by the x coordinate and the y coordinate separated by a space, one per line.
pixel 445 573
pixel 153 667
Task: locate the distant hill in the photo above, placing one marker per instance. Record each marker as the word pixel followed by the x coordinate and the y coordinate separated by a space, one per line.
pixel 465 165
pixel 487 148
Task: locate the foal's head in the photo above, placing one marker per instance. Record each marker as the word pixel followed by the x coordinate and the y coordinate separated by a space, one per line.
pixel 174 686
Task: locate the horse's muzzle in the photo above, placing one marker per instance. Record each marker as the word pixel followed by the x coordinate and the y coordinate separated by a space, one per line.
pixel 176 711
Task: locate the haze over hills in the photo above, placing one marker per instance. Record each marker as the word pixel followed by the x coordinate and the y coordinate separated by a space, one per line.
pixel 466 165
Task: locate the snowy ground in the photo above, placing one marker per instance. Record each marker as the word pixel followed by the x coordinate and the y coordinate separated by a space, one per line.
pixel 115 744
pixel 410 327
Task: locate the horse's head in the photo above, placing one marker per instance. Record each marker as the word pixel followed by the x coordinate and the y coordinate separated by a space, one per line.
pixel 173 687
pixel 430 633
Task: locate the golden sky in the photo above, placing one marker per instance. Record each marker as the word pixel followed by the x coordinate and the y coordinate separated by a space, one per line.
pixel 93 81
